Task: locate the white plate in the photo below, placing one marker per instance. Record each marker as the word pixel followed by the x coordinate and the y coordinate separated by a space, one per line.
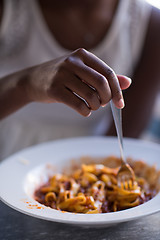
pixel 21 173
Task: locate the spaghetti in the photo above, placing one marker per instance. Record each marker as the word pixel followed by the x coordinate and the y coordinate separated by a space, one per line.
pixel 93 188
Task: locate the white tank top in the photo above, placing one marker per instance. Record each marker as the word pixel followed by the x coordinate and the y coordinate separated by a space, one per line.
pixel 25 40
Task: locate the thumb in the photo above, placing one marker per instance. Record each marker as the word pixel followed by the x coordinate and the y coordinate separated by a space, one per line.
pixel 124 81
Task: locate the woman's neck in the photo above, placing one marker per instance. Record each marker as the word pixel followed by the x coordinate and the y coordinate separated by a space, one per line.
pixel 80 23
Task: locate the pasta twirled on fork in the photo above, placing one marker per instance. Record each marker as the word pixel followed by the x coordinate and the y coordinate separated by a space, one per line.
pixel 93 188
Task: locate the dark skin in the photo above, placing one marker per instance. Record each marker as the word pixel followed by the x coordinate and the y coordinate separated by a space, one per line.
pixel 79 17
pixel 147 70
pixel 80 79
pixel 137 111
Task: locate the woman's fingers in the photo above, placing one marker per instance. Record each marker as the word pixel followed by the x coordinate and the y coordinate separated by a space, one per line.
pixel 81 89
pixel 67 97
pixel 90 77
pixel 84 82
pixel 124 81
pixel 96 63
pixel 98 75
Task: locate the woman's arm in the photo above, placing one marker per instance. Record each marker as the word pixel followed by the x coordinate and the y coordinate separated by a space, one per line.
pixel 79 80
pixel 12 93
pixel 140 97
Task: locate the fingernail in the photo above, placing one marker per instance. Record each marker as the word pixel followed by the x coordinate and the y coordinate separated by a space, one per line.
pixel 129 79
pixel 121 103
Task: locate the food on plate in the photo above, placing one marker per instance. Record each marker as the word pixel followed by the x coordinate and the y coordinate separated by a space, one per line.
pixel 92 187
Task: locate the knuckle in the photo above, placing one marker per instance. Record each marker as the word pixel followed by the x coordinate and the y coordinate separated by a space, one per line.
pixel 102 80
pixel 110 72
pixel 80 52
pixel 118 94
pixel 69 60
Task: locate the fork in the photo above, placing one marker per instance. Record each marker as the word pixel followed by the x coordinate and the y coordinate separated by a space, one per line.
pixel 125 175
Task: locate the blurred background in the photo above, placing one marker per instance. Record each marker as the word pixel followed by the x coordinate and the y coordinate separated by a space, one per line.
pixel 155 3
pixel 153 131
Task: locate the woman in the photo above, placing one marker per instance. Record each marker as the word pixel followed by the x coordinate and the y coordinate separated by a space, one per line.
pixel 35 32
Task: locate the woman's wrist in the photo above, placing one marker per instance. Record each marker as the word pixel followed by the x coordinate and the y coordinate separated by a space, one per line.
pixel 22 86
pixel 14 93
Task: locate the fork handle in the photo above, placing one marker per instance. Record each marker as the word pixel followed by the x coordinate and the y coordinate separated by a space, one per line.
pixel 117 116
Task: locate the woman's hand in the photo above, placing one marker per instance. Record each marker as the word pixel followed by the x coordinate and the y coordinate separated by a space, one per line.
pixel 81 80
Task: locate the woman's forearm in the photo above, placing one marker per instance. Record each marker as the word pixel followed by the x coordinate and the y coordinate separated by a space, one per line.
pixel 13 94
